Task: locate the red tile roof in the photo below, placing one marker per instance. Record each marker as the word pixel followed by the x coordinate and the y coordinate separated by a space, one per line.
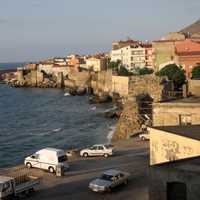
pixel 187 47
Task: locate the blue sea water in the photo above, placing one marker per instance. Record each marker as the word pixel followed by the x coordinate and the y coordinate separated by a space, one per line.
pixel 11 65
pixel 33 118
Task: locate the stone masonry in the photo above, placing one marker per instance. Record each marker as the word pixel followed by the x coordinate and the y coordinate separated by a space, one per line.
pixel 130 121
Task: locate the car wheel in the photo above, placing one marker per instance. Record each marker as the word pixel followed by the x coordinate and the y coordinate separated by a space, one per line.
pixel 51 169
pixel 106 155
pixel 31 190
pixel 108 189
pixel 85 155
pixel 143 138
pixel 28 165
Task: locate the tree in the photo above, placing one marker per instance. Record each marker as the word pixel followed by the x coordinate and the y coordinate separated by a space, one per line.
pixel 114 65
pixel 196 72
pixel 174 73
pixel 123 71
pixel 145 70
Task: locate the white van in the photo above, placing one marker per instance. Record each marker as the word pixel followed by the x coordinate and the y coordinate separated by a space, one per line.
pixel 47 159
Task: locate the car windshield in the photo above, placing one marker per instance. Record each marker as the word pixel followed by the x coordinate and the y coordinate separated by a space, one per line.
pixel 62 158
pixel 107 177
pixel 35 156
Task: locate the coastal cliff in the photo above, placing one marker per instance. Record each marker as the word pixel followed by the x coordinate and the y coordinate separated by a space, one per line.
pixel 143 91
pixel 129 122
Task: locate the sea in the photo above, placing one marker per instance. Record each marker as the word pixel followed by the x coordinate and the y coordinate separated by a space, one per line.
pixel 34 118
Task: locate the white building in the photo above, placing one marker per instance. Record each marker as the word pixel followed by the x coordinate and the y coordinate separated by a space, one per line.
pixel 60 68
pixel 116 55
pixel 97 64
pixel 45 67
pixel 60 61
pixel 133 57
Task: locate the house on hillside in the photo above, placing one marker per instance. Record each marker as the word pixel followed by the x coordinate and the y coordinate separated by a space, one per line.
pixel 187 55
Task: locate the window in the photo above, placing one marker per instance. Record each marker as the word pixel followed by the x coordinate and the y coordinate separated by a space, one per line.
pixel 185 120
pixel 107 177
pixel 6 186
pixel 132 64
pixel 121 175
pixel 94 148
pixel 115 178
pixel 100 148
pixel 62 159
pixel 35 156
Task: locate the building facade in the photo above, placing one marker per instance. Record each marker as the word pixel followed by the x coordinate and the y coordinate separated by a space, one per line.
pixel 116 55
pixel 45 67
pixel 184 53
pixel 31 66
pixel 163 53
pixel 187 55
pixel 134 56
pixel 174 163
pixel 178 112
pixel 56 69
pixel 97 64
pixel 60 61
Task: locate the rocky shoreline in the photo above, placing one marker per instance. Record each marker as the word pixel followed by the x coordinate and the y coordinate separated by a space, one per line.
pixel 102 88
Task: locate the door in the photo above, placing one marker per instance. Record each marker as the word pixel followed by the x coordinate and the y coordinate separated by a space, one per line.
pixel 35 161
pixel 176 191
pixel 100 150
pixel 93 151
pixel 7 189
pixel 116 181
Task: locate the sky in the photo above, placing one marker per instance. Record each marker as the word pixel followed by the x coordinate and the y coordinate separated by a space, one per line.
pixel 32 30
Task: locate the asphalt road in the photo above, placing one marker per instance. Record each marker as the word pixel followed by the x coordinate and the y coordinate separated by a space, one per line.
pixel 74 185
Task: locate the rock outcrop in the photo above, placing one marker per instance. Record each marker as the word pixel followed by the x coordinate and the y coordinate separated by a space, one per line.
pixel 129 122
pixel 141 88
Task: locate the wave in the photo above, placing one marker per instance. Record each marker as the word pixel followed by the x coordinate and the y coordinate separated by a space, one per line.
pixel 111 132
pixel 93 108
pixel 48 132
pixel 57 130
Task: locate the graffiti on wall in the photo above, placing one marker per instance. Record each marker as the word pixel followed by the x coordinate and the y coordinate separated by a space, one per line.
pixel 169 150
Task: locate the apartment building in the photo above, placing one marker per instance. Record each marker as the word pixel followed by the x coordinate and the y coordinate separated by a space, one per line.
pixel 96 63
pixel 134 56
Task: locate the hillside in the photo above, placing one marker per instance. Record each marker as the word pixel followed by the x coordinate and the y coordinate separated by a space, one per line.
pixel 193 28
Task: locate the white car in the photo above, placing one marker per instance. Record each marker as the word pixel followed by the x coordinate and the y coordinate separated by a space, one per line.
pixel 48 159
pixel 98 150
pixel 109 180
pixel 144 136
